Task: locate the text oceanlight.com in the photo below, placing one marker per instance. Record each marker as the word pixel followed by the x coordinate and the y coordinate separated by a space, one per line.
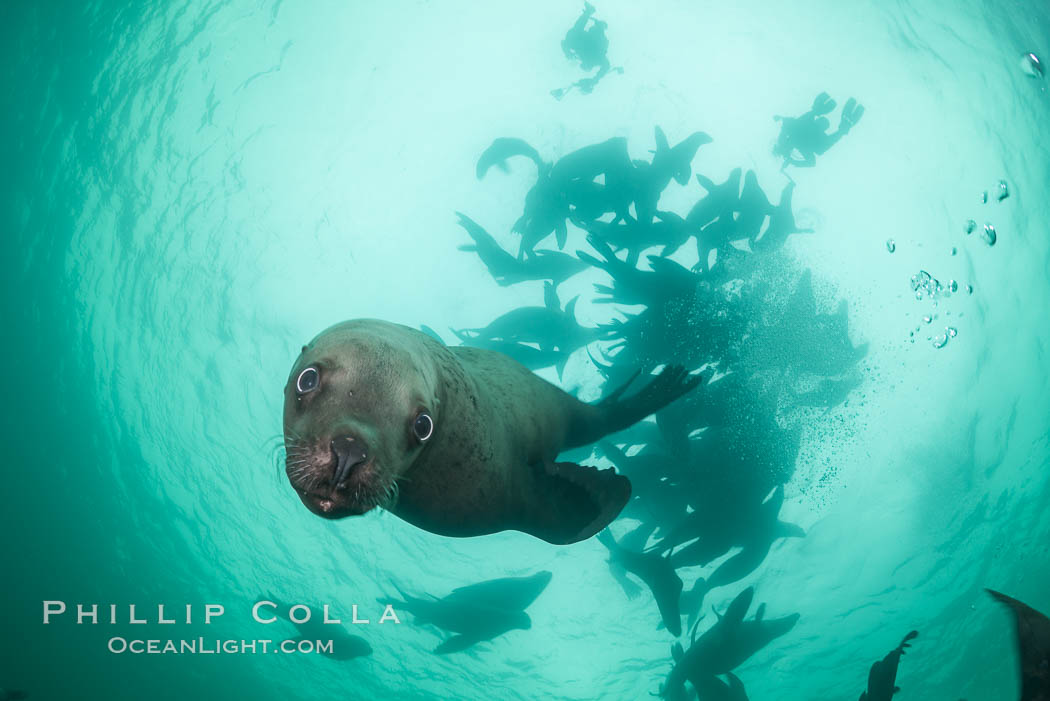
pixel 201 646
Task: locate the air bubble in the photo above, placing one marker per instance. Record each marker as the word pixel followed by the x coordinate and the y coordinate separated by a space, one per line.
pixel 951 331
pixel 891 245
pixel 970 226
pixel 1032 66
pixel 989 234
pixel 940 340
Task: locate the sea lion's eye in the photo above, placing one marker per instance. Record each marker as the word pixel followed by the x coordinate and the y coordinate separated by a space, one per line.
pixel 423 426
pixel 307 380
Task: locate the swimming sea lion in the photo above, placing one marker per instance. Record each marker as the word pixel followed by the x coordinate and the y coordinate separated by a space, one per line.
pixel 882 678
pixel 457 441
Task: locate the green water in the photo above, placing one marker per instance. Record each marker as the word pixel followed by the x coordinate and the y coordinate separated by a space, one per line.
pixel 192 191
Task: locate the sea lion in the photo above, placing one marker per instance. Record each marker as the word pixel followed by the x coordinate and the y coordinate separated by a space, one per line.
pixel 477 612
pixel 656 571
pixel 343 646
pixel 456 441
pixel 882 678
pixel 723 647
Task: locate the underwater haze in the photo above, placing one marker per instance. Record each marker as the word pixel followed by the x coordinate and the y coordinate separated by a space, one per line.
pixel 194 190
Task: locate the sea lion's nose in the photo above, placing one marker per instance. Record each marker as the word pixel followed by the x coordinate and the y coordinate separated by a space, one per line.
pixel 349 453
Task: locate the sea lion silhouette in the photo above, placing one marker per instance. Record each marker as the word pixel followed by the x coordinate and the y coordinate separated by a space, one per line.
pixel 882 678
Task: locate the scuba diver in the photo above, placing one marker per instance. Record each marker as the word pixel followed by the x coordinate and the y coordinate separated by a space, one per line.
pixel 807 135
pixel 589 46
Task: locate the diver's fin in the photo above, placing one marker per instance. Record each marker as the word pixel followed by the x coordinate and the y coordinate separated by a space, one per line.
pixel 822 103
pixel 677 652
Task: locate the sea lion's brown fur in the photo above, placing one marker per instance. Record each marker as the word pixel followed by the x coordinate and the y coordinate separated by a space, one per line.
pixel 498 428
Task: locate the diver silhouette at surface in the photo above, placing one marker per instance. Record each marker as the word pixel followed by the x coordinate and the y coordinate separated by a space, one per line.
pixel 807 135
pixel 589 46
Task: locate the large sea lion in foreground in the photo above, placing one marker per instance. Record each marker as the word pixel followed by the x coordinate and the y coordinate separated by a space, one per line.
pixel 457 441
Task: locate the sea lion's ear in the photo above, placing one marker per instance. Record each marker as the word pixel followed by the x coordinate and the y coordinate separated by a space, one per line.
pixel 303 350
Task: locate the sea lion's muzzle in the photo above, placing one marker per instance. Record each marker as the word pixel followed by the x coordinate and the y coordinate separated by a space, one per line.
pixel 349 453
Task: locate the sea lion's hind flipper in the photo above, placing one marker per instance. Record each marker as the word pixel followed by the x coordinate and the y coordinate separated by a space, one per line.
pixel 672 382
pixel 574 502
pixel 736 687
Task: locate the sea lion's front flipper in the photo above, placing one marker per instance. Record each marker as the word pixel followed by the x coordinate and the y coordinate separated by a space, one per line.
pixel 734 615
pixel 573 502
pixel 736 687
pixel 1033 644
